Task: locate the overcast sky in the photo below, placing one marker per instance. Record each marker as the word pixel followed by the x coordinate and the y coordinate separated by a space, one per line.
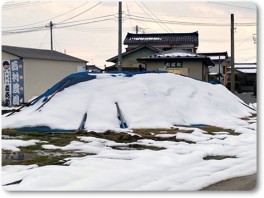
pixel 88 29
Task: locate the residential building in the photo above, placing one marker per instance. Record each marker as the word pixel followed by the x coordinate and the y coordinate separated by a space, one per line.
pixel 180 62
pixel 141 45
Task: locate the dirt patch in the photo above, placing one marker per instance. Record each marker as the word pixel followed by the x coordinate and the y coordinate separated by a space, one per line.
pixel 137 147
pixel 245 183
pixel 111 135
pixel 212 129
pixel 218 157
pixel 249 117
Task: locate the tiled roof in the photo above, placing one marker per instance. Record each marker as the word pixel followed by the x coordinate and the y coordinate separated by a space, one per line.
pixel 162 38
pixel 39 54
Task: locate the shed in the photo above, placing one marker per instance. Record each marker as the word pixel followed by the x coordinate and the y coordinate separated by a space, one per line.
pixel 28 72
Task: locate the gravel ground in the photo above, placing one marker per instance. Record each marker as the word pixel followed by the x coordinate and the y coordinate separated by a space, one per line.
pixel 245 183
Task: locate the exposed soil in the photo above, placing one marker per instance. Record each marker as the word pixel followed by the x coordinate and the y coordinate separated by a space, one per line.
pixel 245 183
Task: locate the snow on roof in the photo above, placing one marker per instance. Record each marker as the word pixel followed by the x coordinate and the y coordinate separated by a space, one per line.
pixel 217 57
pixel 147 101
pixel 248 71
pixel 144 38
pixel 249 68
pixel 245 65
pixel 176 53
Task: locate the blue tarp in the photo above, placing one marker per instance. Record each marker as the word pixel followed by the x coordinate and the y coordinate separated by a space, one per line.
pixel 81 77
pixel 64 83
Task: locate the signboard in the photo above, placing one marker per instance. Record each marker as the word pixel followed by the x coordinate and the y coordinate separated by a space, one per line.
pixel 13 82
pixel 183 71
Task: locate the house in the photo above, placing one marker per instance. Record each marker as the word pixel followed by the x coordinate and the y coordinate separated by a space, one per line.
pixel 180 62
pixel 219 71
pixel 129 58
pixel 142 45
pixel 28 72
pixel 245 77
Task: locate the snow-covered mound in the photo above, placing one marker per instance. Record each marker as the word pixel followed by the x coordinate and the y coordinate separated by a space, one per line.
pixel 151 100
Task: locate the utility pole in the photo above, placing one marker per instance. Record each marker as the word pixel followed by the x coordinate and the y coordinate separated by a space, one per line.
pixel 119 60
pixel 232 55
pixel 51 36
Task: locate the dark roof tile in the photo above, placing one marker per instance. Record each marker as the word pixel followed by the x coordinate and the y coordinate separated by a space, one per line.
pixel 162 38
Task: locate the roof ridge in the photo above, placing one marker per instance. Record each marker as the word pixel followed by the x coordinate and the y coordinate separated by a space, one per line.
pixel 25 52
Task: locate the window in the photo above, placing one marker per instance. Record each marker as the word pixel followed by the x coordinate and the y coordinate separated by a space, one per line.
pixel 174 64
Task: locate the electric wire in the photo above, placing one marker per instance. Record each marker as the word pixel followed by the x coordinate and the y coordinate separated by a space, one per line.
pixel 49 18
pixel 151 17
pixel 157 17
pixel 232 5
pixel 80 13
pixel 21 5
pixel 135 17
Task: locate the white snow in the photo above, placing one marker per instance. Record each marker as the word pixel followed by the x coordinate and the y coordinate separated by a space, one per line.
pixel 253 105
pixel 177 53
pixel 13 145
pixel 248 71
pixel 178 167
pixel 217 57
pixel 146 101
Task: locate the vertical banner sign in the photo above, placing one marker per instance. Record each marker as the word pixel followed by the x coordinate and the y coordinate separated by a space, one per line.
pixel 7 83
pixel 17 82
pixel 13 74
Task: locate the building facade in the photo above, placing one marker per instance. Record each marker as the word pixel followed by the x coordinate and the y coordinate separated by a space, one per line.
pixel 27 72
pixel 142 45
pixel 179 62
pixel 219 71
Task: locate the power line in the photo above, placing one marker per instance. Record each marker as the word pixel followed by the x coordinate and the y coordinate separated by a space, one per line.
pixel 150 17
pixel 77 24
pixel 232 5
pixel 49 18
pixel 60 25
pixel 80 13
pixel 21 5
pixel 70 22
pixel 197 17
pixel 156 17
pixel 135 17
pixel 57 26
pixel 129 16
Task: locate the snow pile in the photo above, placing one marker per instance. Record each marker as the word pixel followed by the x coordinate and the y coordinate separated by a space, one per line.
pixel 253 105
pixel 146 101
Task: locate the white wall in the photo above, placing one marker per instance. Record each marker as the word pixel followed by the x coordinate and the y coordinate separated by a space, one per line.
pixel 40 75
